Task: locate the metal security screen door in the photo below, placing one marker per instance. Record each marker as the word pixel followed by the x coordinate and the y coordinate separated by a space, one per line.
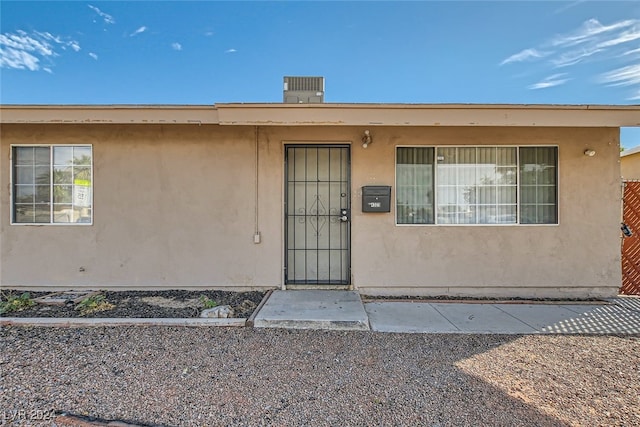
pixel 317 215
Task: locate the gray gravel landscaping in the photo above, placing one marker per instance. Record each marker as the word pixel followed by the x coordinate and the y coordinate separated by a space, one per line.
pixel 170 376
pixel 174 304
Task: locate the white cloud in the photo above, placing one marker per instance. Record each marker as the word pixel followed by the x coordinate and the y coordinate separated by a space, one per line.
pixel 48 36
pixel 631 52
pixel 139 31
pixel 22 41
pixel 108 19
pixel 48 70
pixel 613 44
pixel 572 57
pixel 624 37
pixel 25 51
pixel 230 51
pixel 93 55
pixel 525 55
pixel 544 85
pixel 18 59
pixel 624 76
pixel 176 46
pixel 551 81
pixel 588 31
pixel 634 96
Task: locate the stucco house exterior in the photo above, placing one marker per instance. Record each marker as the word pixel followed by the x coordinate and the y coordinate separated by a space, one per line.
pixel 388 199
pixel 630 163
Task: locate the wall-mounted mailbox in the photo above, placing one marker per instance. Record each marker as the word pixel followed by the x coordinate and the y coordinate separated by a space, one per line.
pixel 376 198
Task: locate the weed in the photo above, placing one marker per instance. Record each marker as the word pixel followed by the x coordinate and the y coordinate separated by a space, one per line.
pixel 12 302
pixel 207 303
pixel 93 304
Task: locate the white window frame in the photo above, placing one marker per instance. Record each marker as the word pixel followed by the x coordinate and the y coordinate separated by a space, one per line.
pixel 11 187
pixel 435 186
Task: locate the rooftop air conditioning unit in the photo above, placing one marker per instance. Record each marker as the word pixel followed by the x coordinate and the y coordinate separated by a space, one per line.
pixel 303 90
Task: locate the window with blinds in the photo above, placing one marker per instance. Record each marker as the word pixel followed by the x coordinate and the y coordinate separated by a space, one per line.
pixel 414 185
pixel 476 185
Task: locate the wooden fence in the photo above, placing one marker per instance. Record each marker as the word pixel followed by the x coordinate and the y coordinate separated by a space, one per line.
pixel 631 244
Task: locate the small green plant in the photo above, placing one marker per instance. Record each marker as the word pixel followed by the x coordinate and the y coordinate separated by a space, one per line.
pixel 207 303
pixel 12 302
pixel 93 304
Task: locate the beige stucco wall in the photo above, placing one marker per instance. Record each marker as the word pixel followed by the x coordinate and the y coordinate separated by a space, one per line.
pixel 580 256
pixel 175 207
pixel 630 166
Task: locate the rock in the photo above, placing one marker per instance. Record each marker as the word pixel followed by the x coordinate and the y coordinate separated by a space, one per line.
pixel 248 304
pixel 170 302
pixel 221 312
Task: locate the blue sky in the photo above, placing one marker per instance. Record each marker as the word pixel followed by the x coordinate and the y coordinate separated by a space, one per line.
pixel 206 52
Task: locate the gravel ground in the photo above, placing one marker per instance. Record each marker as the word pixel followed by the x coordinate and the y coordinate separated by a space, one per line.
pixel 146 304
pixel 243 376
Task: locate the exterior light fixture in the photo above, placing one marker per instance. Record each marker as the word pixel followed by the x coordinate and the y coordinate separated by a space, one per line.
pixel 589 152
pixel 366 139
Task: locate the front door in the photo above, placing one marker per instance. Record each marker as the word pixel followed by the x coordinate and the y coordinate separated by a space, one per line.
pixel 317 215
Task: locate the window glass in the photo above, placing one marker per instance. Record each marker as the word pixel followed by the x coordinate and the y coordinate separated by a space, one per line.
pixel 24 156
pixel 52 184
pixel 82 156
pixel 43 194
pixel 538 187
pixel 42 156
pixel 62 156
pixel 414 185
pixel 24 194
pixel 24 175
pixel 476 185
pixel 42 175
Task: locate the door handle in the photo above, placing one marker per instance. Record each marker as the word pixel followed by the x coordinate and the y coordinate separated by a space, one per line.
pixel 344 217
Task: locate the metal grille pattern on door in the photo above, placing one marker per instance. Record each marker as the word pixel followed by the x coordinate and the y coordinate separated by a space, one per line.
pixel 631 244
pixel 317 214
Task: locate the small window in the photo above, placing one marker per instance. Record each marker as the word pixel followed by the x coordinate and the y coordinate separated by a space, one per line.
pixel 52 184
pixel 476 185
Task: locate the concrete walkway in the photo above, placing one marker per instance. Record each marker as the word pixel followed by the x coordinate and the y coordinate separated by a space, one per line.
pixel 313 309
pixel 344 310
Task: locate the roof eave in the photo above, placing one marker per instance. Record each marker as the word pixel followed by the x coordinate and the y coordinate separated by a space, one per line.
pixel 278 114
pixel 109 114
